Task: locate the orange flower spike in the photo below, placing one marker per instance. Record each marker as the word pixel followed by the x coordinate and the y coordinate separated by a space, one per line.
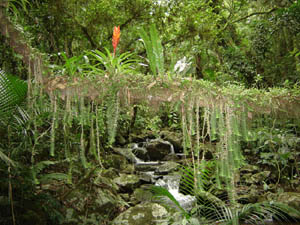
pixel 116 38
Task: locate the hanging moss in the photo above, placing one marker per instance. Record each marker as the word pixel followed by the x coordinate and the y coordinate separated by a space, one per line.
pixel 112 116
pixel 53 125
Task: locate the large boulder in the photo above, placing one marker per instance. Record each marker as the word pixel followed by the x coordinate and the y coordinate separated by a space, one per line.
pixel 116 161
pixel 175 138
pixel 127 153
pixel 158 149
pixel 145 213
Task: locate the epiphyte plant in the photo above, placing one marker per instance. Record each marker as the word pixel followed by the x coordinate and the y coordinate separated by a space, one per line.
pixel 116 38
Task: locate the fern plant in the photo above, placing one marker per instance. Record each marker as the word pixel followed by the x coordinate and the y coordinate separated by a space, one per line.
pixel 154 50
pixel 13 5
pixel 12 92
pixel 37 176
pixel 212 208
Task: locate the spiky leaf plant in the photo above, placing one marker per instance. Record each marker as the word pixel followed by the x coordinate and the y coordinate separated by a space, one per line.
pixel 154 50
pixel 111 65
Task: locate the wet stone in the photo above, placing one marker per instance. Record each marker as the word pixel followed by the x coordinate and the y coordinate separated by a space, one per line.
pixel 158 150
pixel 167 167
pixel 127 153
pixel 141 195
pixel 127 181
pixel 144 213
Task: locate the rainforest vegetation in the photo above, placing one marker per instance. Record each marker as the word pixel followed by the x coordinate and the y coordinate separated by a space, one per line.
pixel 145 112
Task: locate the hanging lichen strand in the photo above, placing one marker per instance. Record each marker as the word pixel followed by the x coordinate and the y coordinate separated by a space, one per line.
pixel 112 117
pixel 54 123
pixel 226 124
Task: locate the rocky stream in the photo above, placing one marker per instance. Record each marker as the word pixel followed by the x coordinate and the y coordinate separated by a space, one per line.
pixel 124 189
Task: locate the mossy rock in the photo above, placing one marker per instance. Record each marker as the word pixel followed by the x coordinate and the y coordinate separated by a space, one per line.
pixel 105 201
pixel 249 169
pixel 141 195
pixel 127 153
pixel 127 181
pixel 158 150
pixel 145 213
pixel 257 178
pixel 110 173
pixel 118 162
pixel 167 167
pixel 175 138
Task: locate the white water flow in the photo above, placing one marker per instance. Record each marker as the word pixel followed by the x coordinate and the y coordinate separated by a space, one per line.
pixel 171 183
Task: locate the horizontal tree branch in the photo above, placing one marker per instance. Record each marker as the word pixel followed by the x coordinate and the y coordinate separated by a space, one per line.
pixel 243 18
pixel 255 13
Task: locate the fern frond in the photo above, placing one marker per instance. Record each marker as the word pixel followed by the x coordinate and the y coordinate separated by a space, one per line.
pixel 37 168
pixel 12 92
pixel 54 176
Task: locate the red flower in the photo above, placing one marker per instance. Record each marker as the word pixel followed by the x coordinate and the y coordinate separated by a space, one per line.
pixel 116 38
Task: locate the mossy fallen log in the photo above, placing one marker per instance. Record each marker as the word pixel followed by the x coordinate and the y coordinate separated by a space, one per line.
pixel 136 89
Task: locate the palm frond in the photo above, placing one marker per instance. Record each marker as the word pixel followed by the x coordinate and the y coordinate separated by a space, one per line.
pixel 12 92
pixel 6 159
pixel 199 178
pixel 260 212
pixel 161 193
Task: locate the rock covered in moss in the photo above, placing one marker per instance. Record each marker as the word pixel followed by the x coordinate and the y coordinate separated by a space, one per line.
pixel 158 149
pixel 167 167
pixel 127 181
pixel 118 162
pixel 144 213
pixel 141 195
pixel 127 153
pixel 175 138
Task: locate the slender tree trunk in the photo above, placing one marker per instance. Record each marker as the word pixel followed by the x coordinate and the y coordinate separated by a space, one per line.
pixel 19 44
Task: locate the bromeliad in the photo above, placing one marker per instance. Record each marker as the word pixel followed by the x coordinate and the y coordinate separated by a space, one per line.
pixel 116 38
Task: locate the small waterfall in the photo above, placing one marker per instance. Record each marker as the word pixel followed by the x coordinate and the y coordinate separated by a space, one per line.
pixel 171 183
pixel 150 170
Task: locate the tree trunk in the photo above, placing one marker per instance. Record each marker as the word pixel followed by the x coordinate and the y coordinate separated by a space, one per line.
pixel 32 59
